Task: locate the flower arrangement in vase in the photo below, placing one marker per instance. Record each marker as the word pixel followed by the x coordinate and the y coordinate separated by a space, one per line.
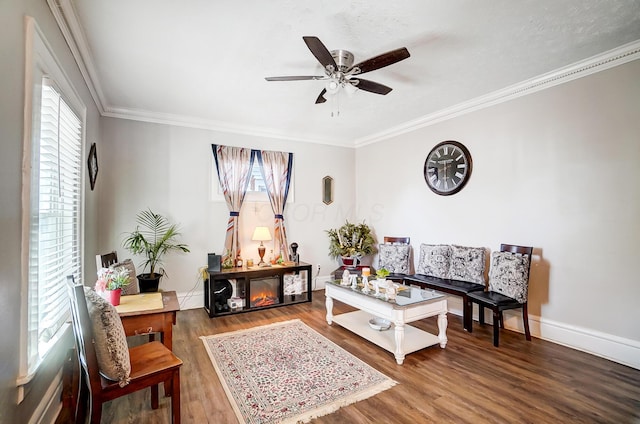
pixel 351 242
pixel 112 281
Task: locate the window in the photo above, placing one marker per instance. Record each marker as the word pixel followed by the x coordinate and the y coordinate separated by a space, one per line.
pixel 256 190
pixel 54 248
pixel 53 200
pixel 256 181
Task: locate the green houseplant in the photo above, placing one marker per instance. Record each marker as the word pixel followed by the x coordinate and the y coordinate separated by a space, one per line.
pixel 382 273
pixel 153 237
pixel 351 241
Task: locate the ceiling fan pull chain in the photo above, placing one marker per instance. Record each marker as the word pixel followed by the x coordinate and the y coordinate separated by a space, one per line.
pixel 335 104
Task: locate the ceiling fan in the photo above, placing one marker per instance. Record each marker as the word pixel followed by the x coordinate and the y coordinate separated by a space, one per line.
pixel 340 72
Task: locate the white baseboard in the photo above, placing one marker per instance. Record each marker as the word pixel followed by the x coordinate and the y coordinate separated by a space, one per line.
pixel 318 282
pixel 608 346
pixel 191 300
pixel 614 348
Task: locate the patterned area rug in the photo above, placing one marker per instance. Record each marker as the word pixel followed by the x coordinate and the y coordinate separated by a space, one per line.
pixel 286 373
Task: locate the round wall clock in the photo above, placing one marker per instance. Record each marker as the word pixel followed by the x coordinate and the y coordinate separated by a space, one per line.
pixel 447 168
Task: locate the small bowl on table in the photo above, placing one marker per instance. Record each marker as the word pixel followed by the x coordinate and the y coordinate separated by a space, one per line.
pixel 379 324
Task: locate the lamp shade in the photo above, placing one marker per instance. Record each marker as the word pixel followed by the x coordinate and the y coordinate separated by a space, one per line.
pixel 261 234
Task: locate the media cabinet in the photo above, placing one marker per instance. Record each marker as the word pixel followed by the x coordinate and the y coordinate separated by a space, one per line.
pixel 246 289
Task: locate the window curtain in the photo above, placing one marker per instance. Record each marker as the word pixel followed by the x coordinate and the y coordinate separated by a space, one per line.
pixel 276 171
pixel 234 170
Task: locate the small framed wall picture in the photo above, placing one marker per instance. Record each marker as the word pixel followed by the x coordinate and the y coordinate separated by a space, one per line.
pixel 327 190
pixel 92 165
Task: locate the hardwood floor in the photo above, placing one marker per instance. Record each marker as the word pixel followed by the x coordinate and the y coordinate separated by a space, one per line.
pixel 469 381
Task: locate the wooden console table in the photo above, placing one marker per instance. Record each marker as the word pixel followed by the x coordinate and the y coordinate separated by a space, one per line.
pixel 230 291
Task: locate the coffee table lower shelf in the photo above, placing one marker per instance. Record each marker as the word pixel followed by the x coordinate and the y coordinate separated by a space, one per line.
pixel 414 338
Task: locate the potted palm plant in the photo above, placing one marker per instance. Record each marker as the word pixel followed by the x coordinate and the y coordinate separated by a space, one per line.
pixel 351 242
pixel 153 237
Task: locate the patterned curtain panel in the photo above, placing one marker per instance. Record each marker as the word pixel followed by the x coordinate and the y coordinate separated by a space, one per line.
pixel 234 169
pixel 276 171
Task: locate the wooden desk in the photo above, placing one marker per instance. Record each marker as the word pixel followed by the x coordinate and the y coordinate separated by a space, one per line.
pixel 154 320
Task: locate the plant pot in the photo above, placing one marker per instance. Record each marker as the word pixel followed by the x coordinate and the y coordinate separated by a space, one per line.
pixel 148 284
pixel 114 296
pixel 350 261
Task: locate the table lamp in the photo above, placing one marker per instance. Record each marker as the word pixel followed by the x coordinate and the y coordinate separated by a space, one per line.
pixel 261 234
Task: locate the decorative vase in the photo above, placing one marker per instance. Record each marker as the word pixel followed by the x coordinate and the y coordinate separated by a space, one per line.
pixel 114 296
pixel 350 261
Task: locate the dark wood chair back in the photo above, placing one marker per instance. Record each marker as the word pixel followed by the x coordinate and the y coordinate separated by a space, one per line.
pixel 106 260
pixel 400 240
pixel 87 359
pixel 151 364
pixel 523 250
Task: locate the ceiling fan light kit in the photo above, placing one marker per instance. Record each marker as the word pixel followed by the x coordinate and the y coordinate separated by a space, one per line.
pixel 340 72
pixel 333 85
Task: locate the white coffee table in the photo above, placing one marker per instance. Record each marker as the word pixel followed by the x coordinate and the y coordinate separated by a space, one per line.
pixel 411 304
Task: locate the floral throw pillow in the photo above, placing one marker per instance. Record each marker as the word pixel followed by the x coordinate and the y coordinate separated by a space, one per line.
pixel 509 275
pixel 394 258
pixel 467 264
pixel 434 260
pixel 110 341
pixel 133 287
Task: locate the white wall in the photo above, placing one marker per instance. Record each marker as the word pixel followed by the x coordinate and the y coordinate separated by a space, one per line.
pixel 169 169
pixel 12 83
pixel 557 170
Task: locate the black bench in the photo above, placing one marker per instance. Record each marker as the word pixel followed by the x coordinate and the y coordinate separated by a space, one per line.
pixel 456 287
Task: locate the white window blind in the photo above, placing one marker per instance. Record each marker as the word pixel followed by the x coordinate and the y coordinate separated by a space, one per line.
pixel 55 227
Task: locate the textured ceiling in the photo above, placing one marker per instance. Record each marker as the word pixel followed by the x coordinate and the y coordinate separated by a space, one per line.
pixel 203 62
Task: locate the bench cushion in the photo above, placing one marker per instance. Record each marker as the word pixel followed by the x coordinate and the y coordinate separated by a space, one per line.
pixel 434 260
pixel 445 285
pixel 467 264
pixel 394 258
pixel 509 275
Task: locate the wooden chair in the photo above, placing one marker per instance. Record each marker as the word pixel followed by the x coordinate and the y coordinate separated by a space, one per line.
pixel 151 364
pixel 498 302
pixel 106 260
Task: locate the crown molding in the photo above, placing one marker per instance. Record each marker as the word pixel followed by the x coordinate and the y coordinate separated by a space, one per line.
pixel 67 19
pixel 68 22
pixel 207 124
pixel 615 57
